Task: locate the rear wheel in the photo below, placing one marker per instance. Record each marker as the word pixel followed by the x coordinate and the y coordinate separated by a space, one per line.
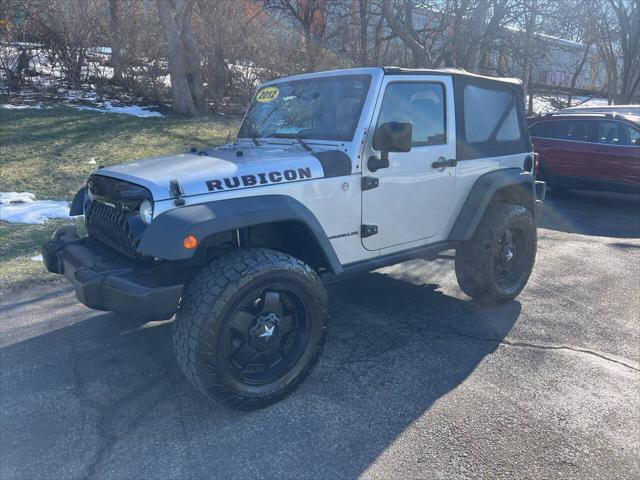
pixel 495 264
pixel 250 327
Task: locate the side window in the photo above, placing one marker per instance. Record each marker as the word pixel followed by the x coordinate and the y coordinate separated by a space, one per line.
pixel 634 136
pixel 576 131
pixel 540 129
pixel 608 132
pixel 422 104
pixel 573 130
pixel 487 110
pixel 628 135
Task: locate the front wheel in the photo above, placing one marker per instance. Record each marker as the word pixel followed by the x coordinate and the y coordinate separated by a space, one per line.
pixel 495 264
pixel 250 327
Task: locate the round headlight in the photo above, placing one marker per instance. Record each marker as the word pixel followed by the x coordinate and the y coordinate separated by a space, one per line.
pixel 146 211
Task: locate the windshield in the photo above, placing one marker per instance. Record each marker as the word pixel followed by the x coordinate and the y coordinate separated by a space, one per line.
pixel 321 108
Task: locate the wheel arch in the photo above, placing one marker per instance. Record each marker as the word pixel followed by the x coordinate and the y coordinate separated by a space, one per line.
pixel 272 221
pixel 510 185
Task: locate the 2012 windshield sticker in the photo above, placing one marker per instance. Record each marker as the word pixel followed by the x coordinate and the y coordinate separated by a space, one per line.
pixel 259 179
pixel 267 95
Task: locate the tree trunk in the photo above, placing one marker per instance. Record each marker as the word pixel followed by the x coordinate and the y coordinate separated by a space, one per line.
pixel 182 100
pixel 476 34
pixel 377 45
pixel 194 69
pixel 576 73
pixel 363 6
pixel 527 68
pixel 116 45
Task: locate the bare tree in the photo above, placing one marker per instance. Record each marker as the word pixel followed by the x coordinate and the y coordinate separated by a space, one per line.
pixel 67 29
pixel 310 17
pixel 627 13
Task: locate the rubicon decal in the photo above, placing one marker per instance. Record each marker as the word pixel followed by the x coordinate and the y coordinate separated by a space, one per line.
pixel 259 179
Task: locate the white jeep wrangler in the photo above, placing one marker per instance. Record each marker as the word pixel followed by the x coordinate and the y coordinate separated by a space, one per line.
pixel 332 174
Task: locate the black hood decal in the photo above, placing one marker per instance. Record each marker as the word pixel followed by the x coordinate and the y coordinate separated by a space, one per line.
pixel 335 163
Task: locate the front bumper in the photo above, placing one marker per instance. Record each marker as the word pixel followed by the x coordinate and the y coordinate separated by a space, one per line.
pixel 106 280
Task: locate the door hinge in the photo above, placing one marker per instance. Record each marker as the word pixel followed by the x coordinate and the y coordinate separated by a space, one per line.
pixel 369 183
pixel 369 230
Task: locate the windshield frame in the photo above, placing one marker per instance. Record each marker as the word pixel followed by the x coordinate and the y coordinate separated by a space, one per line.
pixel 367 79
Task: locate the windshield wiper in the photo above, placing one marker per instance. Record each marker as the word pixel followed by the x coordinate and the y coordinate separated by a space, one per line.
pixel 255 141
pixel 304 144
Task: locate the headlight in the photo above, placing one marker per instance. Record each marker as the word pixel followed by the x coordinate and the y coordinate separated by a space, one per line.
pixel 146 211
pixel 89 194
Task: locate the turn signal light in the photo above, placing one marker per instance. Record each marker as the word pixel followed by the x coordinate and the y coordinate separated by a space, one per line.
pixel 190 242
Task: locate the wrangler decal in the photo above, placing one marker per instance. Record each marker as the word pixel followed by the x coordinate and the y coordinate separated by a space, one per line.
pixel 342 235
pixel 229 183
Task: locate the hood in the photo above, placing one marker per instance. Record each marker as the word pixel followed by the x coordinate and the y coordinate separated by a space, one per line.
pixel 225 169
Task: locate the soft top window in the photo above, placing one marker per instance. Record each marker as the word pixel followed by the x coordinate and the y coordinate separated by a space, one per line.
pixel 490 119
pixel 489 112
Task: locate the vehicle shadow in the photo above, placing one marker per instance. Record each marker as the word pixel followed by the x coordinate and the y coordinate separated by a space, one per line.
pixel 600 214
pixel 103 396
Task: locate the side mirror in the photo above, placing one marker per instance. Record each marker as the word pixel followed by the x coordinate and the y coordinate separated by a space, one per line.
pixel 390 137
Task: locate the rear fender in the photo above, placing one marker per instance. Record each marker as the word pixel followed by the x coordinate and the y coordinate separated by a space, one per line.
pixel 512 185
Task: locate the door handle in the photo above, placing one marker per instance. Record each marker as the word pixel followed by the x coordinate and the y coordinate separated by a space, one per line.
pixel 442 163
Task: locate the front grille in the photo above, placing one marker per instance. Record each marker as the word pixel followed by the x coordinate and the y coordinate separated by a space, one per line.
pixel 109 225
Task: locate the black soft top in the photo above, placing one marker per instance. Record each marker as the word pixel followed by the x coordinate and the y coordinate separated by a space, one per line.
pixel 491 147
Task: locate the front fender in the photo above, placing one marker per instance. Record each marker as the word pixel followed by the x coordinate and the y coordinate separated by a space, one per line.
pixel 163 237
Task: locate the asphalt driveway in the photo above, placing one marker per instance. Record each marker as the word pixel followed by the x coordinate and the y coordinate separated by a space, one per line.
pixel 416 380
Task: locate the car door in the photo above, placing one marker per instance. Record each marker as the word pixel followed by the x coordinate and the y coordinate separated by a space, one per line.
pixel 618 152
pixel 566 150
pixel 411 199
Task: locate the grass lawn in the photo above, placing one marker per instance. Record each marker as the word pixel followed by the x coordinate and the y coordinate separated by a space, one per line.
pixel 47 152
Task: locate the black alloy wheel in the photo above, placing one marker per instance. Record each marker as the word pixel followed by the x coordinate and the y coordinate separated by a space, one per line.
pixel 266 336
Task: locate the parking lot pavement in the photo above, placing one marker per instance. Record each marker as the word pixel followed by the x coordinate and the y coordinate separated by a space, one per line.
pixel 416 380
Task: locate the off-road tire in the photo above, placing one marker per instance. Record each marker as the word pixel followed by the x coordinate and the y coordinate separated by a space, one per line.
pixel 208 305
pixel 475 263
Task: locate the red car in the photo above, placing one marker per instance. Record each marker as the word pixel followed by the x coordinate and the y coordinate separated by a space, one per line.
pixel 588 151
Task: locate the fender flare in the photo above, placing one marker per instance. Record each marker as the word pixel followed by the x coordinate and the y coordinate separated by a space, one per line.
pixel 481 194
pixel 77 205
pixel 163 237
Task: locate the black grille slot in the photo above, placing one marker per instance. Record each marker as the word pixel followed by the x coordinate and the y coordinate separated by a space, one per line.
pixel 109 225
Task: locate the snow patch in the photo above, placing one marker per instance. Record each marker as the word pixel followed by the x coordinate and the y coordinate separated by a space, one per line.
pixel 107 107
pixel 92 161
pixel 37 258
pixel 15 197
pixel 7 106
pixel 22 207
